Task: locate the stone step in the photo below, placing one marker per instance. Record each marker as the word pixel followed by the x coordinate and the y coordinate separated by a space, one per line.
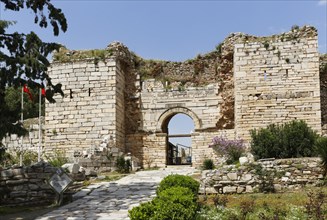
pixel 178 167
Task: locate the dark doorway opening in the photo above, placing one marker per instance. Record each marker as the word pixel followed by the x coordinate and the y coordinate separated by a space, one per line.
pixel 179 128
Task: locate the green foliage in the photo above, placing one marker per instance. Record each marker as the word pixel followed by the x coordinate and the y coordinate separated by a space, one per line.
pixel 287 60
pixel 31 108
pixel 315 205
pixel 24 57
pixel 321 148
pixel 179 180
pixel 145 211
pixel 208 164
pixel 289 140
pixel 57 159
pixel 266 45
pixel 219 48
pixel 64 55
pixel 231 149
pixel 123 166
pixel 295 27
pixel 174 202
pixel 13 157
pixel 249 210
pixel 266 179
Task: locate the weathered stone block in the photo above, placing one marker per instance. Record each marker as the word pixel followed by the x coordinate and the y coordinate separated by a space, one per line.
pixel 232 176
pixel 229 189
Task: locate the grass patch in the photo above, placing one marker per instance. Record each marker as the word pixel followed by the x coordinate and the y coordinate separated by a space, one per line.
pixel 276 200
pixel 309 203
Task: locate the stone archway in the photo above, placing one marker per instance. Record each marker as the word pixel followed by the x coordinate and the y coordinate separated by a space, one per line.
pixel 165 117
pixel 175 152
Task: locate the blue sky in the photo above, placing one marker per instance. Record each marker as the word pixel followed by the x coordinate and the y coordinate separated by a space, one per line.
pixel 173 30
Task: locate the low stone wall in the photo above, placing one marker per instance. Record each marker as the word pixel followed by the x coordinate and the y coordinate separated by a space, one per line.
pixel 26 185
pixel 30 140
pixel 281 174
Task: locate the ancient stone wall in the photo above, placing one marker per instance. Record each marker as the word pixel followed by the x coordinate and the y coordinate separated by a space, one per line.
pixel 93 105
pixel 277 81
pixel 285 175
pixel 30 141
pixel 26 185
pixel 160 103
pixel 246 82
pixel 323 88
pixel 201 142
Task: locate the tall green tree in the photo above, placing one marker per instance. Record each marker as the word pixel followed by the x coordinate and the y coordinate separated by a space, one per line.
pixel 23 58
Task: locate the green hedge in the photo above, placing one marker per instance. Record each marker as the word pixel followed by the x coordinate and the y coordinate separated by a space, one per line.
pixel 145 211
pixel 289 140
pixel 173 202
pixel 179 180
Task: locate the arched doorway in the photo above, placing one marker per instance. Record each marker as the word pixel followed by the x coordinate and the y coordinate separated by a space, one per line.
pixel 178 127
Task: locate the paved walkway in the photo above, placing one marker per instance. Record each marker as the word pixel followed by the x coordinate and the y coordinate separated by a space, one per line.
pixel 112 200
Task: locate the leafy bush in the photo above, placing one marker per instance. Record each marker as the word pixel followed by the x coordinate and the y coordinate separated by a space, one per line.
pixel 232 149
pixel 292 139
pixel 13 157
pixel 57 159
pixel 123 166
pixel 208 164
pixel 173 203
pixel 179 180
pixel 321 148
pixel 176 203
pixel 144 211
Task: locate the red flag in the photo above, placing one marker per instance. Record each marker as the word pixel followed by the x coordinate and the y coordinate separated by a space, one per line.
pixel 28 92
pixel 43 92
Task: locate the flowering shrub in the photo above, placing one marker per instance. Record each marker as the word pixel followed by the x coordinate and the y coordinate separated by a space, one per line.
pixel 232 149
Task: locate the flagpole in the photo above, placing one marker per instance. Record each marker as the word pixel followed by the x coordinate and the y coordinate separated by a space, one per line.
pixel 40 126
pixel 22 121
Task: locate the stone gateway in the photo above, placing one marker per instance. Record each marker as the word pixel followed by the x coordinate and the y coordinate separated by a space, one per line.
pixel 247 82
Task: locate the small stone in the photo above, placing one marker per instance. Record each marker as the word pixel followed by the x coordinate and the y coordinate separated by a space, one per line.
pixel 240 189
pixel 71 167
pixel 229 189
pixel 232 176
pixel 248 189
pixel 243 160
pixel 89 172
pixel 246 177
pixel 278 187
pixel 288 174
pixel 284 179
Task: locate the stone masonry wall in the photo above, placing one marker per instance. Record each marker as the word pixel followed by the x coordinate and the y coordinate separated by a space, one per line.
pixel 91 109
pixel 202 102
pixel 201 142
pixel 120 108
pixel 275 82
pixel 159 103
pixel 30 141
pixel 117 93
pixel 151 148
pixel 289 174
pixel 323 88
pixel 26 185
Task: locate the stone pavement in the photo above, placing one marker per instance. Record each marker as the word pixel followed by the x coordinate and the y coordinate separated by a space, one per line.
pixel 112 200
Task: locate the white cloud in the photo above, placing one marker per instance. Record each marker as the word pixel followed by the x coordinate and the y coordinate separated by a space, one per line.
pixel 322 2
